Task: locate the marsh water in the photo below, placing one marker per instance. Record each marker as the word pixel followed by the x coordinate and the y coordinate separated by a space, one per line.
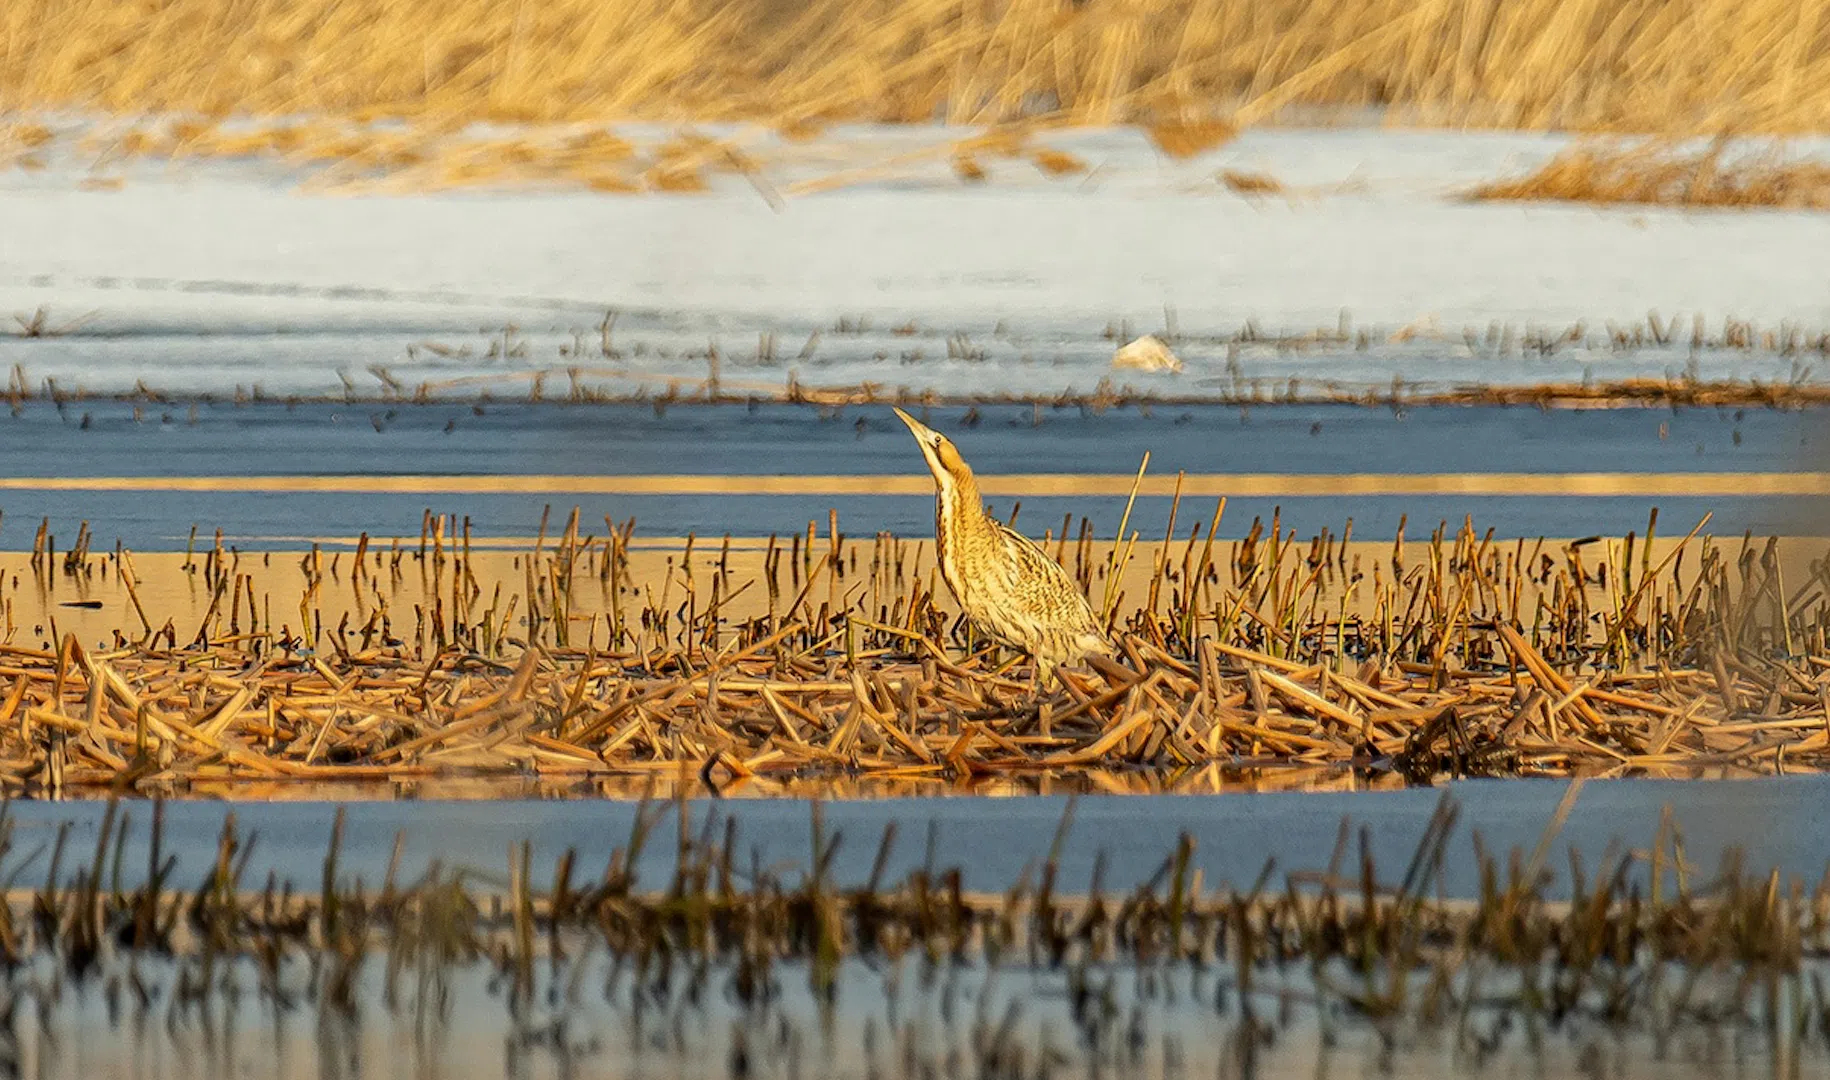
pixel 587 1015
pixel 1775 822
pixel 272 475
pixel 146 473
pixel 898 1022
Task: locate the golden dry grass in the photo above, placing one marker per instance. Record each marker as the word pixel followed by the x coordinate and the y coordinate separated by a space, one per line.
pixel 1659 173
pixel 1643 65
pixel 367 91
pixel 583 657
pixel 20 145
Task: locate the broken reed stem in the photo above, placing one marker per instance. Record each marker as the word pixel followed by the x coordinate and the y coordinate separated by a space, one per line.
pixel 1474 660
pixel 1113 565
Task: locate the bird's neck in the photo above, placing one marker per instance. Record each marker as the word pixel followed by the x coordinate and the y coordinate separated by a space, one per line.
pixel 961 507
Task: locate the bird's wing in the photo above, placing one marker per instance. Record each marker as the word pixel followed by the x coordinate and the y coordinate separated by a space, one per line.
pixel 1050 596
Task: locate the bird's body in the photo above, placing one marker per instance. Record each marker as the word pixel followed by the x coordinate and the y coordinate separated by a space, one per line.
pixel 1008 587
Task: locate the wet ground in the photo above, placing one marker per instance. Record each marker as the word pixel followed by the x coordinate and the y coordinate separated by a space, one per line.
pixel 38 608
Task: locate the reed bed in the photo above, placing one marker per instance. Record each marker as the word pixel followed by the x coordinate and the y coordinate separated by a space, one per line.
pixel 1644 943
pixel 1459 654
pixel 1618 64
pixel 1660 173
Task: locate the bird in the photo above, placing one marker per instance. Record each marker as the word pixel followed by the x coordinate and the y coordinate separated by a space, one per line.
pixel 1007 586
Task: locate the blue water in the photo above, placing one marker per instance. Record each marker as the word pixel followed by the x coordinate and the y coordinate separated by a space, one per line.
pixel 1778 823
pixel 521 439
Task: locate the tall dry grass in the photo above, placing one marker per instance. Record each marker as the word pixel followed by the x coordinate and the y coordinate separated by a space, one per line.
pixel 1645 65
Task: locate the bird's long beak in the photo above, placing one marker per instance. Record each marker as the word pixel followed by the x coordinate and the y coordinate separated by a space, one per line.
pixel 922 433
pixel 924 438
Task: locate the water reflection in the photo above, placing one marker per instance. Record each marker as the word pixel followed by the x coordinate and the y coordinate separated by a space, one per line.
pixel 1209 779
pixel 890 1020
pixel 1212 779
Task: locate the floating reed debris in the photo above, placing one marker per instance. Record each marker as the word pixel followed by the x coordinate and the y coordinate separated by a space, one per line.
pixel 1663 173
pixel 1204 378
pixel 1247 182
pixel 1643 945
pixel 1459 655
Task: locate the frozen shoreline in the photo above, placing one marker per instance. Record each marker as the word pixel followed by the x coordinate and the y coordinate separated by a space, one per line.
pixel 205 276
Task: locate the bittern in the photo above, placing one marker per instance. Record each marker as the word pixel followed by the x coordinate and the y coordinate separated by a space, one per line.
pixel 1008 587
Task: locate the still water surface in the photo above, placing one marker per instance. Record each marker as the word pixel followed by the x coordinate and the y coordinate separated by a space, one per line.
pixel 1777 822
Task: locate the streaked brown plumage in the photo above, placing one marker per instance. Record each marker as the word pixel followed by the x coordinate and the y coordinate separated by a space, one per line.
pixel 1008 587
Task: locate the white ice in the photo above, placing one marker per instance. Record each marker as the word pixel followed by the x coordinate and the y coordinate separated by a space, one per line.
pixel 205 276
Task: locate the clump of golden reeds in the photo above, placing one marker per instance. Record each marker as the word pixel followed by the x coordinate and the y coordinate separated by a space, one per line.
pixel 1461 654
pixel 1661 173
pixel 1616 64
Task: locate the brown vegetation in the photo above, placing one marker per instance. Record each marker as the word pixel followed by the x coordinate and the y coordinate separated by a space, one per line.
pixel 1463 655
pixel 629 367
pixel 1245 182
pixel 1642 65
pixel 365 89
pixel 1661 173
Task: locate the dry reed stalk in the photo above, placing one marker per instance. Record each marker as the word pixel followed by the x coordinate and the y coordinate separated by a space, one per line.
pixel 1243 182
pixel 1497 665
pixel 1186 139
pixel 1179 64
